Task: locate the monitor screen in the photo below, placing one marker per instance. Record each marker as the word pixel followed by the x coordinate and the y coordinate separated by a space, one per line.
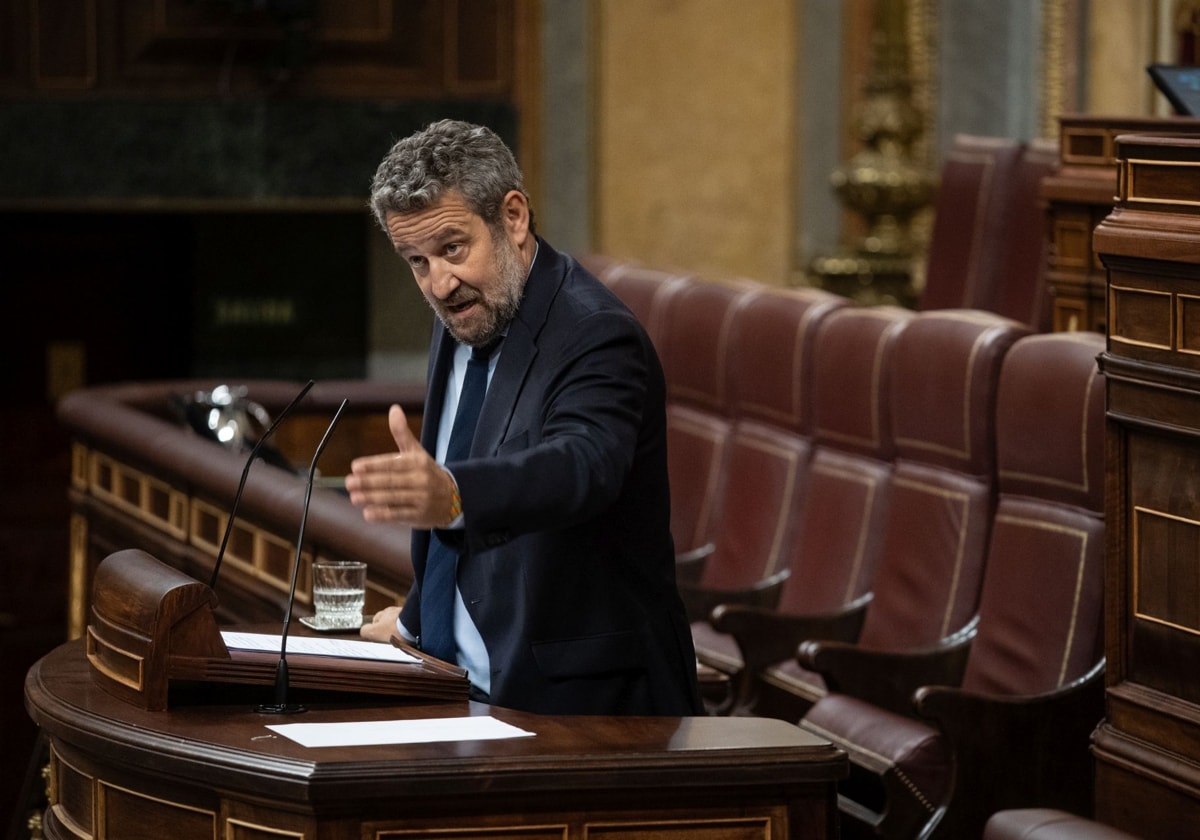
pixel 1180 84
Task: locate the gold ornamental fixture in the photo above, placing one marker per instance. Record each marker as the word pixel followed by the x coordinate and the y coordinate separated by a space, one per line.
pixel 882 183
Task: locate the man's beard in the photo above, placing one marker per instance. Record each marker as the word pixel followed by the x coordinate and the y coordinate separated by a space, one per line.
pixel 499 306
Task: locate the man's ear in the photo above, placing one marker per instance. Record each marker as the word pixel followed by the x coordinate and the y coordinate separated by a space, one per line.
pixel 514 213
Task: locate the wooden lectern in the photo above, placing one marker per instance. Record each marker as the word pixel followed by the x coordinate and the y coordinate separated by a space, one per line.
pixel 152 625
pixel 122 764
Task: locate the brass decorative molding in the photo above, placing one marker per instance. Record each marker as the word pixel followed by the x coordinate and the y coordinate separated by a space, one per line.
pixel 887 182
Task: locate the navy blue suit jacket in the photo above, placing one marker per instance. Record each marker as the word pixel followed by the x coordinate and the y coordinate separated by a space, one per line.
pixel 568 564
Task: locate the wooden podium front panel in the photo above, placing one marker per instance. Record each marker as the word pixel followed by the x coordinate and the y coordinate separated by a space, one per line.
pixel 213 770
pixel 1148 748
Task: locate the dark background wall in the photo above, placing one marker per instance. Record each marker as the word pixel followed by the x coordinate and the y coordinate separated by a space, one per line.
pixel 182 193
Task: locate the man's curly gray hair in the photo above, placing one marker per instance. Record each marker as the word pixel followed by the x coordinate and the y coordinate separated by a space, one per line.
pixel 447 155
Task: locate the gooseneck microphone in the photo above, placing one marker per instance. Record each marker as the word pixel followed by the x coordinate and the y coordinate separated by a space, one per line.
pixel 281 704
pixel 212 583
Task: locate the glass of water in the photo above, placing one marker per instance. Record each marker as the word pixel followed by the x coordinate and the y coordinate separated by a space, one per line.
pixel 339 592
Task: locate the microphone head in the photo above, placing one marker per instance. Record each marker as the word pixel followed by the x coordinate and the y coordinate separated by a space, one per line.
pixel 212 583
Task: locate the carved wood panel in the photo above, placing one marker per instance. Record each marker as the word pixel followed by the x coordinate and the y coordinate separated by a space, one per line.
pixel 341 48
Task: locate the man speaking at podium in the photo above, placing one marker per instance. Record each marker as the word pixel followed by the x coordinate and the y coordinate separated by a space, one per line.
pixel 541 549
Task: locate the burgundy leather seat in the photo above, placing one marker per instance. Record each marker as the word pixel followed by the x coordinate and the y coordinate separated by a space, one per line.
pixel 831 558
pixel 966 244
pixel 1003 719
pixel 1018 287
pixel 945 373
pixel 770 368
pixel 693 342
pixel 645 291
pixel 837 546
pixel 1047 824
pixel 698 429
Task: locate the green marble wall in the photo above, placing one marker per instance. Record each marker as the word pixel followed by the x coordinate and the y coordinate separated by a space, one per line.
pixel 100 151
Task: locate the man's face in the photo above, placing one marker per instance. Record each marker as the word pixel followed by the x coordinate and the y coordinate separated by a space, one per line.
pixel 472 276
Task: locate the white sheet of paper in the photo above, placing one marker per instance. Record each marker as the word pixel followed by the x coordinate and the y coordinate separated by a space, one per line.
pixel 368 732
pixel 320 646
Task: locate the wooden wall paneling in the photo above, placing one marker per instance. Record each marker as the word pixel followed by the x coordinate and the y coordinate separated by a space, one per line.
pixel 347 48
pixel 479 48
pixel 64 44
pixel 388 48
pixel 14 57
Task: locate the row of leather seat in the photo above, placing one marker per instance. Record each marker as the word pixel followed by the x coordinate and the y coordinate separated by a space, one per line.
pixel 873 501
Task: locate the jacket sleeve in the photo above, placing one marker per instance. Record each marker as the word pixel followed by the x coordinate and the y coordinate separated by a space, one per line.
pixel 572 437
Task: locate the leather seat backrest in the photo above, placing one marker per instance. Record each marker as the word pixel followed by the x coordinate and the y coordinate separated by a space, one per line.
pixel 696 323
pixel 646 291
pixel 772 356
pixel 945 377
pixel 1018 289
pixel 837 542
pixel 964 245
pixel 1041 609
pixel 769 371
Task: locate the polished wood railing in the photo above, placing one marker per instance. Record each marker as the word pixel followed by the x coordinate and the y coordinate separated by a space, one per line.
pixel 141 479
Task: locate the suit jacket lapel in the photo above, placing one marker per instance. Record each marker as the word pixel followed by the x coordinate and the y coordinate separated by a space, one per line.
pixel 519 349
pixel 441 359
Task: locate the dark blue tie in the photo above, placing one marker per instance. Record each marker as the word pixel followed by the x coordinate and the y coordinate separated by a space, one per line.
pixel 437 587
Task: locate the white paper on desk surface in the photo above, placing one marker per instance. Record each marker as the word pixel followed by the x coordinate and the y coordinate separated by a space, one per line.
pixel 346 648
pixel 368 732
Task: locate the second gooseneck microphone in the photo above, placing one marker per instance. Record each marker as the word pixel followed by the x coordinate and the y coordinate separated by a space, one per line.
pixel 281 704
